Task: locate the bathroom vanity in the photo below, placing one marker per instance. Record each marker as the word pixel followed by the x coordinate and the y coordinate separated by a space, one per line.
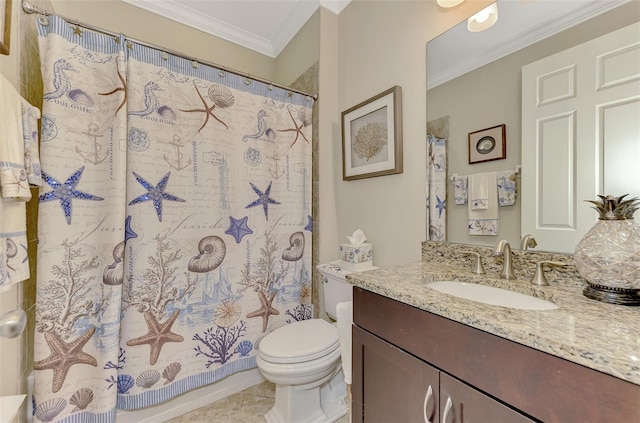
pixel 423 356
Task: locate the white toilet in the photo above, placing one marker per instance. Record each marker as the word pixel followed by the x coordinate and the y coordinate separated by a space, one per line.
pixel 303 360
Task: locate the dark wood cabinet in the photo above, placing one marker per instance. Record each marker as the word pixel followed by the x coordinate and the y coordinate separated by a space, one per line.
pixel 400 351
pixel 393 386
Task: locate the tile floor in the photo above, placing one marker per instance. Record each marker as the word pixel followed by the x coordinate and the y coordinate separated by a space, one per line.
pixel 248 406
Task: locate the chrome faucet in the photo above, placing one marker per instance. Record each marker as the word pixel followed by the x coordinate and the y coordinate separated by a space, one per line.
pixel 528 241
pixel 503 248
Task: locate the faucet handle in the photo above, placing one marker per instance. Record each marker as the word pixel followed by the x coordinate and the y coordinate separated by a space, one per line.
pixel 479 269
pixel 538 277
pixel 528 241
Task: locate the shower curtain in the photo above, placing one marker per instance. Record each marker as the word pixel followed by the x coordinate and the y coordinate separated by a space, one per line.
pixel 436 188
pixel 174 223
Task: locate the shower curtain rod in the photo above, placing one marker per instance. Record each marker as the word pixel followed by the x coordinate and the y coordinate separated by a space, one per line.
pixel 30 9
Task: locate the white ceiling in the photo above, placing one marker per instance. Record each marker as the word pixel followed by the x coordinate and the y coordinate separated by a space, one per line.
pixel 265 26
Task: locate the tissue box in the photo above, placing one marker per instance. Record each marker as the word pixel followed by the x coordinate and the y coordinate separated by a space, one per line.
pixel 356 257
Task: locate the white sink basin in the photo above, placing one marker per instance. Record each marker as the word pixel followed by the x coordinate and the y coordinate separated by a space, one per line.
pixel 491 295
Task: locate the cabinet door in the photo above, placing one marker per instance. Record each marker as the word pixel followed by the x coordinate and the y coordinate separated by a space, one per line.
pixel 461 403
pixel 390 385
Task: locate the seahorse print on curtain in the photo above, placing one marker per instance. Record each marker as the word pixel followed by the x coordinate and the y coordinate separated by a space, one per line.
pixel 169 246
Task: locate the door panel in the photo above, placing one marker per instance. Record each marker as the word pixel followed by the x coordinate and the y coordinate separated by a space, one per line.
pixel 580 135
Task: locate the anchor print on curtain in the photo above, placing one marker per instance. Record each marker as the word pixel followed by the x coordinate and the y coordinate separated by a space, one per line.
pixel 174 223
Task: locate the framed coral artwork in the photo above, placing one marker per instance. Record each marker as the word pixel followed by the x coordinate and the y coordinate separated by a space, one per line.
pixel 5 25
pixel 372 136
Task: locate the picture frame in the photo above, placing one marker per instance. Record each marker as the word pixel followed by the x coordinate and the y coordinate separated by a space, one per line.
pixel 488 144
pixel 5 26
pixel 372 136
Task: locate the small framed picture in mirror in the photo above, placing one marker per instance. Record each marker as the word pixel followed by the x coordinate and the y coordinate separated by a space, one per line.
pixel 488 144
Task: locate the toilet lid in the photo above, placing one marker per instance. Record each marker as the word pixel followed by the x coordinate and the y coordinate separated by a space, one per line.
pixel 300 341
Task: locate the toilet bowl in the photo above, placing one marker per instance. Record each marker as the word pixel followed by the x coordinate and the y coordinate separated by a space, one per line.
pixel 303 359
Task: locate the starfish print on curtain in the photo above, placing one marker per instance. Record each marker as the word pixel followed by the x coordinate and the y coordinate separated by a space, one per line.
pixel 221 96
pixel 238 228
pixel 265 310
pixel 263 199
pixel 122 89
pixel 157 335
pixel 64 355
pixel 66 192
pixel 128 231
pixel 305 118
pixel 155 194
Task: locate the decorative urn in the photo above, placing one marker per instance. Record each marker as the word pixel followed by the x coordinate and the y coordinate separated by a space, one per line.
pixel 608 256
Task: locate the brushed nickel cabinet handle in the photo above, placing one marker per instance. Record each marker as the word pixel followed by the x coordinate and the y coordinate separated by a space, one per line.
pixel 447 408
pixel 426 403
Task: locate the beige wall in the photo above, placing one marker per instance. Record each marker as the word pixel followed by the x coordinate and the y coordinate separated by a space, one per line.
pixel 382 44
pixel 329 136
pixel 490 96
pixel 301 52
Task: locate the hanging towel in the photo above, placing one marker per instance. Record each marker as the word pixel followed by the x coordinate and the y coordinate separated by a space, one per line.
pixel 460 189
pixel 14 184
pixel 344 318
pixel 479 190
pixel 507 189
pixel 483 221
pixel 14 189
pixel 30 116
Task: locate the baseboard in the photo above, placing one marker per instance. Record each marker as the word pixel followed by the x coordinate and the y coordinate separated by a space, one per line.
pixel 193 400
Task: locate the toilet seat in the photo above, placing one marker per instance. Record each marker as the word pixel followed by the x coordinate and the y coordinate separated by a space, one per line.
pixel 299 342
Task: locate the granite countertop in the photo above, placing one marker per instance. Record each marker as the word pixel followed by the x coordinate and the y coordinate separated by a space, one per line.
pixel 601 336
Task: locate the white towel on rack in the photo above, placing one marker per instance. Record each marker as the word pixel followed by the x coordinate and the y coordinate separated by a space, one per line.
pixel 483 221
pixel 14 187
pixel 479 185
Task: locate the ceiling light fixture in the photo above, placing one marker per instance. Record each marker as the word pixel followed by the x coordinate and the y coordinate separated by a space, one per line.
pixel 449 3
pixel 484 19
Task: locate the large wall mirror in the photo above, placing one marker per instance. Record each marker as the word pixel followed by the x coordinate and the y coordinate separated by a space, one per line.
pixel 474 81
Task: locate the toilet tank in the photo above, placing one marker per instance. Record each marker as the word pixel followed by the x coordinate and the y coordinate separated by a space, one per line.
pixel 335 288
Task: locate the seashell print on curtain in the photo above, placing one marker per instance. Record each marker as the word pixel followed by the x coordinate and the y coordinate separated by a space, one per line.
pixel 174 223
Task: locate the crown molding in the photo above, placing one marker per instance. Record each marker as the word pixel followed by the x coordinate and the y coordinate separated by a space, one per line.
pixel 304 9
pixel 336 6
pixel 522 40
